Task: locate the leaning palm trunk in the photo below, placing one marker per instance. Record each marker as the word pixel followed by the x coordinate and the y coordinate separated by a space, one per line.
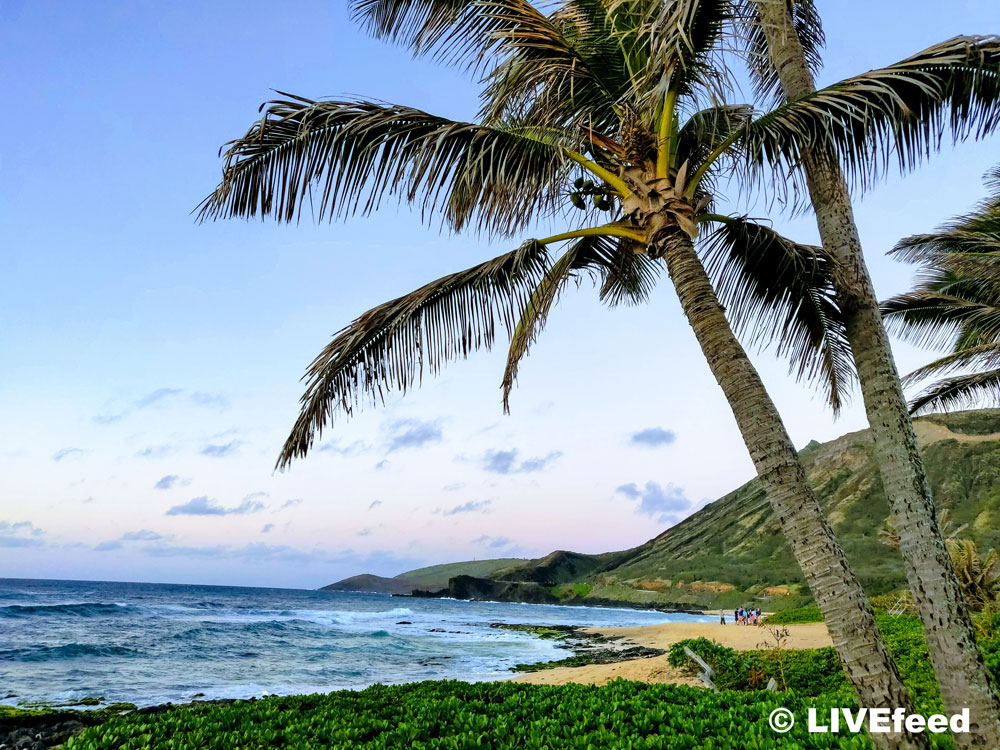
pixel 958 663
pixel 836 589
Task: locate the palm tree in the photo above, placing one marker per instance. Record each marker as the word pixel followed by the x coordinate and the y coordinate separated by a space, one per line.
pixel 857 124
pixel 614 107
pixel 955 306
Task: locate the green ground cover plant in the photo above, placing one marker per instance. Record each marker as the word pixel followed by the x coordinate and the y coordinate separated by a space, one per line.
pixel 480 715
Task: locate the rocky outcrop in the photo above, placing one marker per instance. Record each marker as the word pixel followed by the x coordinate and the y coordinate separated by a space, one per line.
pixel 485 589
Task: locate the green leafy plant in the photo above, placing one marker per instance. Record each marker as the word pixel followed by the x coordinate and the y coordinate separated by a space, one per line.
pixel 481 715
pixel 795 616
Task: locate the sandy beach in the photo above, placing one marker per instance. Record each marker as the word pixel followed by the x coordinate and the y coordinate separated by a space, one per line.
pixel 657 669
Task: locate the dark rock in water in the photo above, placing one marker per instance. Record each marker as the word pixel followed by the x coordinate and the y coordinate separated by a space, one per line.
pixel 424 594
pixel 155 709
pixel 404 622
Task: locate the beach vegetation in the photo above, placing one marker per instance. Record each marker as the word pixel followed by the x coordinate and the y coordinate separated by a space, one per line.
pixel 795 616
pixel 459 715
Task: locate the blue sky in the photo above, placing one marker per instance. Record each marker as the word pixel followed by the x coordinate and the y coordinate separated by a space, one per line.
pixel 150 365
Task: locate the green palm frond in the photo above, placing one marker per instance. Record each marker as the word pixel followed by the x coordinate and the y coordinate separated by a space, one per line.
pixel 965 239
pixel 901 111
pixel 704 132
pixel 959 392
pixel 623 275
pixel 955 306
pixel 343 157
pixel 808 28
pixel 779 291
pixel 981 356
pixel 939 320
pixel 952 241
pixel 388 347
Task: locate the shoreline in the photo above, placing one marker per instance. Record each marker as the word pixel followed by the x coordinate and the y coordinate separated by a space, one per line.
pixel 594 603
pixel 656 669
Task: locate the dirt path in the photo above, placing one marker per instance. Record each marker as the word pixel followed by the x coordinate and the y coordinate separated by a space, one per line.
pixel 932 432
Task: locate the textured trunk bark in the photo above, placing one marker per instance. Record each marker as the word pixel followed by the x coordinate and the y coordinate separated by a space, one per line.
pixel 833 584
pixel 958 662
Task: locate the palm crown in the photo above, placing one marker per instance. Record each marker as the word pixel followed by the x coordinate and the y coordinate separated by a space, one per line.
pixel 955 305
pixel 619 108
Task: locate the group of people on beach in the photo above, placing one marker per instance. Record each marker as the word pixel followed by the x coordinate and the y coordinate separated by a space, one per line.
pixel 743 616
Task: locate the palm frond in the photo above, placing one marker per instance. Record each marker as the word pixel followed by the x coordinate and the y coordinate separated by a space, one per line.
pixel 624 276
pixel 704 132
pixel 960 392
pixel 388 347
pixel 680 40
pixel 777 290
pixel 564 69
pixel 456 31
pixel 808 28
pixel 343 157
pixel 927 317
pixel 520 48
pixel 978 357
pixel 921 247
pixel 903 110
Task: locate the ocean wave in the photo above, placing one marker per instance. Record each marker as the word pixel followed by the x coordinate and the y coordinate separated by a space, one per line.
pixel 78 609
pixel 323 617
pixel 66 651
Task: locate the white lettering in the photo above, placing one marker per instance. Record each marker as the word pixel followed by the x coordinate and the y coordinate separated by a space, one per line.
pixel 897 720
pixel 878 720
pixel 960 721
pixel 937 723
pixel 814 726
pixel 915 723
pixel 856 722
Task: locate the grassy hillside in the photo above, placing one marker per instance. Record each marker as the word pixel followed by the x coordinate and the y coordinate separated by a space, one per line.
pixel 431 578
pixel 732 551
pixel 437 576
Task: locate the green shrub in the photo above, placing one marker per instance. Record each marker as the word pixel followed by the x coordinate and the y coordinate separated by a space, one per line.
pixel 795 616
pixel 809 672
pixel 499 716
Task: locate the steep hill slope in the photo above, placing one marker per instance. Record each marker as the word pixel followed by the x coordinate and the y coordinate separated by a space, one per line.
pixel 733 549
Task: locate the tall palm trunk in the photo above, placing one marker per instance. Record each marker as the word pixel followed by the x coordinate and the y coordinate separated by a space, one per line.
pixel 958 663
pixel 836 589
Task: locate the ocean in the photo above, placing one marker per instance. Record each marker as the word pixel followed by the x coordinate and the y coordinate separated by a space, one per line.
pixel 147 643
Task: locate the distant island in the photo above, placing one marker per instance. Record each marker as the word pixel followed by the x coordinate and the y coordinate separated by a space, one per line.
pixel 732 551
